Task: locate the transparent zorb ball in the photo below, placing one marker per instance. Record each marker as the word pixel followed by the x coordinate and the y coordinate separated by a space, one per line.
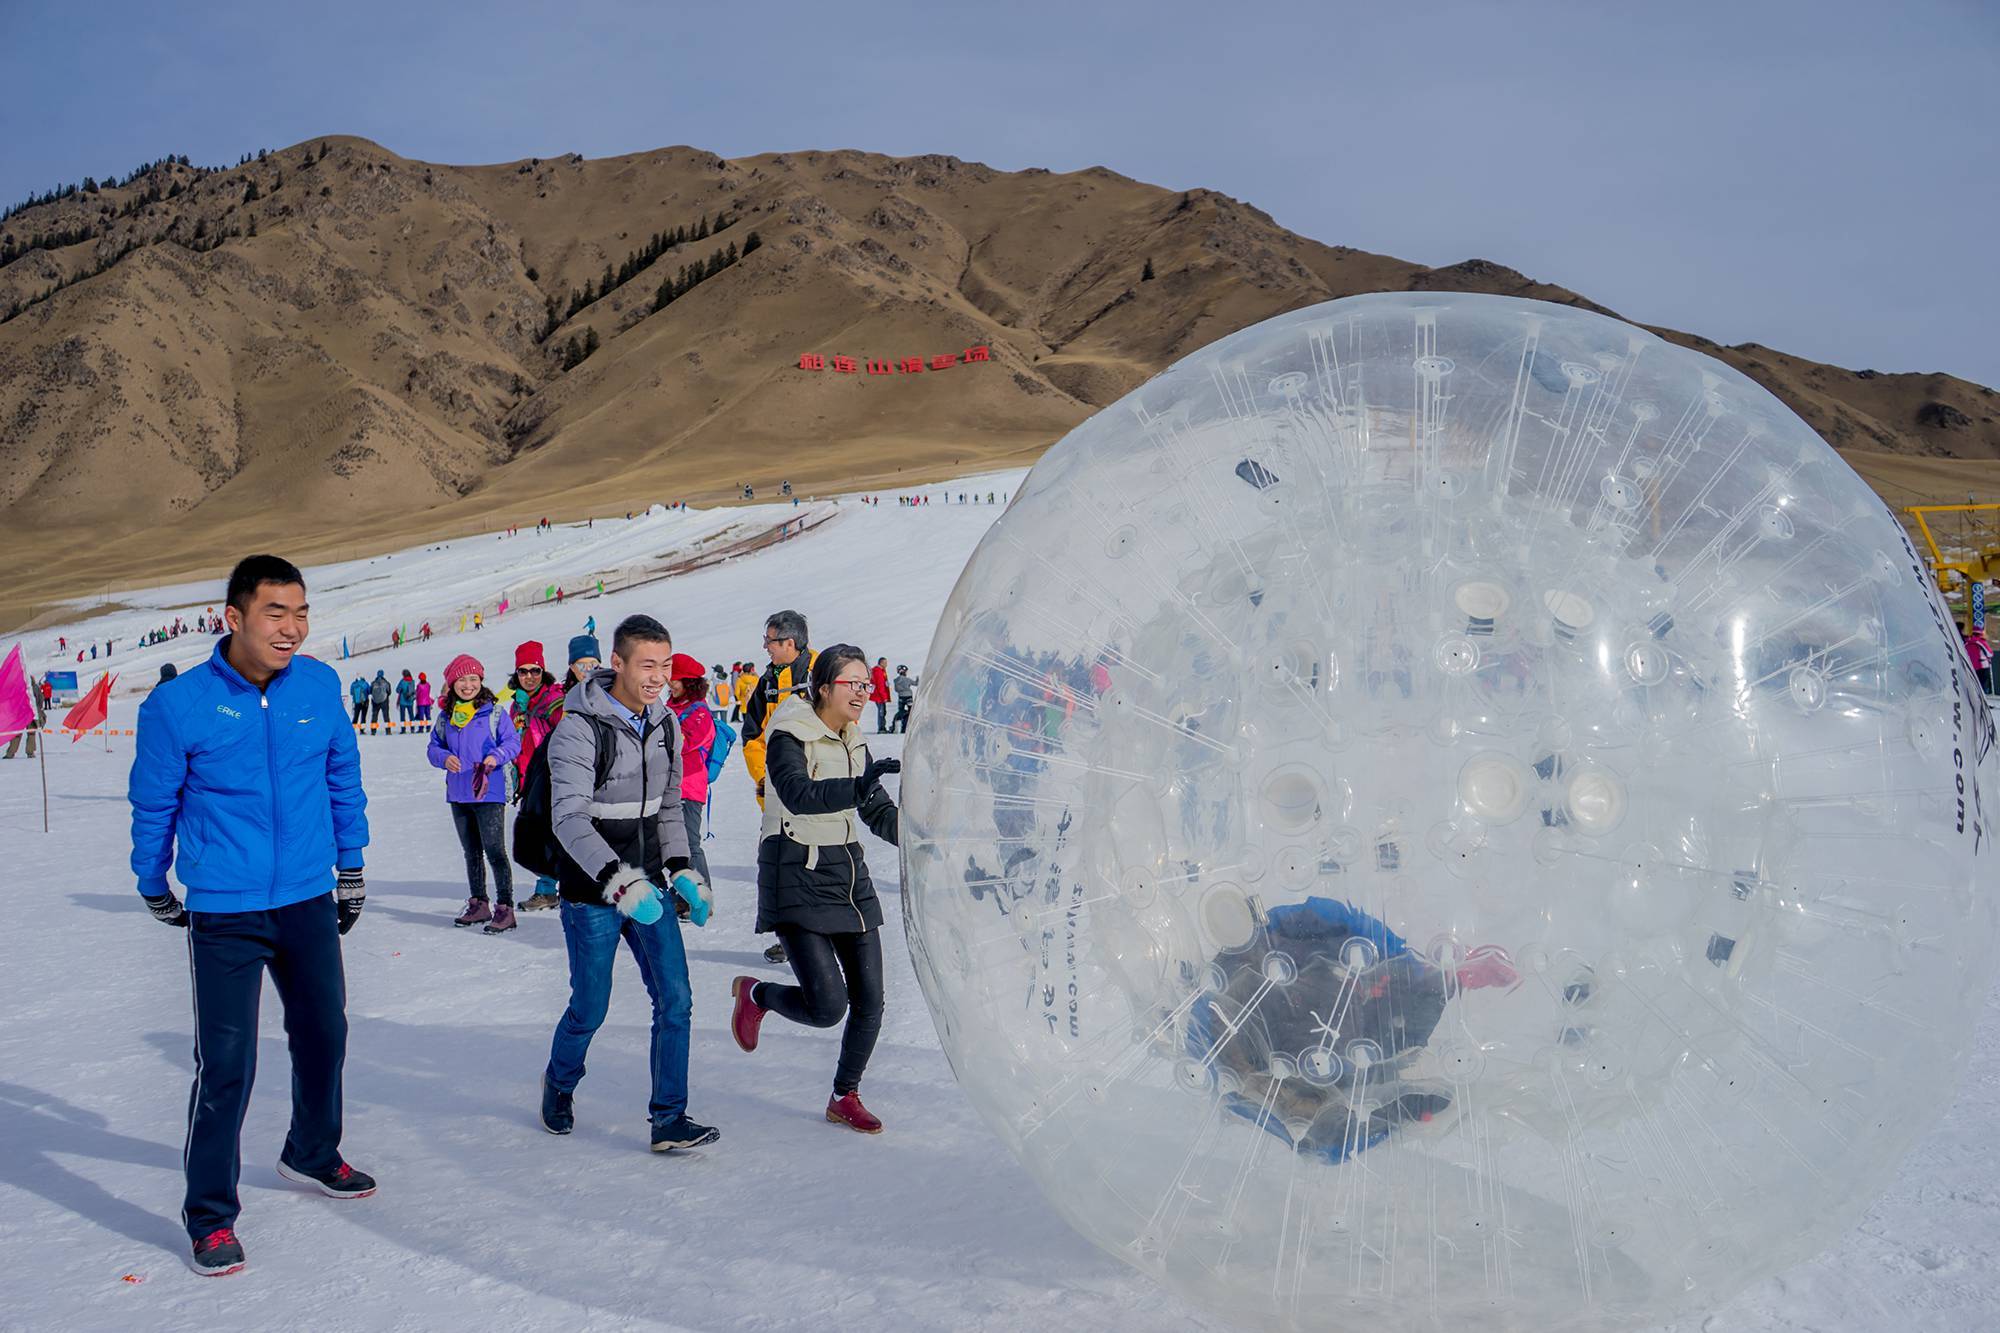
pixel 1446 808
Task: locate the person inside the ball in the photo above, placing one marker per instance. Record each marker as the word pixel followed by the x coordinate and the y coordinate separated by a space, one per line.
pixel 1321 1019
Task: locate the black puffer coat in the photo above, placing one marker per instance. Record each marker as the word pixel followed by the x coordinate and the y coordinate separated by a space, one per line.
pixel 823 889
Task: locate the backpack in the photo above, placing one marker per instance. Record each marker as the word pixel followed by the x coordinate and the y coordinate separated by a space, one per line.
pixel 725 740
pixel 535 845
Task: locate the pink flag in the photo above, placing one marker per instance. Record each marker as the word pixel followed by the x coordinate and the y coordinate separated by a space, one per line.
pixel 17 713
pixel 502 609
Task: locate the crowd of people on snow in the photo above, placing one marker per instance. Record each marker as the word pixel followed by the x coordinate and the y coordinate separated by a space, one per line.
pixel 608 766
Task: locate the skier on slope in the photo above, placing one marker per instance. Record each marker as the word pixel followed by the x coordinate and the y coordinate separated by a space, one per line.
pixel 252 749
pixel 813 887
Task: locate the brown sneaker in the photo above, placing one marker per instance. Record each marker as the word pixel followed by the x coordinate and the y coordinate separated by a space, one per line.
pixel 540 902
pixel 503 919
pixel 849 1111
pixel 476 911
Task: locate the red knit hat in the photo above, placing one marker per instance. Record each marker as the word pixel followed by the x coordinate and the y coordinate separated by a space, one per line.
pixel 686 668
pixel 529 654
pixel 465 664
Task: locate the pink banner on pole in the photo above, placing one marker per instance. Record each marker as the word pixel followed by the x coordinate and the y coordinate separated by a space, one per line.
pixel 17 713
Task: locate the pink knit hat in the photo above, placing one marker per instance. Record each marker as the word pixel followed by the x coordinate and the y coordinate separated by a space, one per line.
pixel 465 664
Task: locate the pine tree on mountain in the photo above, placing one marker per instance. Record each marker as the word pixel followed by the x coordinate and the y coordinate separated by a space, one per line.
pixel 752 242
pixel 590 342
pixel 701 232
pixel 1147 274
pixel 250 194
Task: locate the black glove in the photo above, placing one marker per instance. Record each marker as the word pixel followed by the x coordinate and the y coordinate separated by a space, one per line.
pixel 871 776
pixel 349 897
pixel 166 908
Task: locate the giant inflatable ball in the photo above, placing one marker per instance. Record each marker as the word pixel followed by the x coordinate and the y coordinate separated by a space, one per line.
pixel 1447 811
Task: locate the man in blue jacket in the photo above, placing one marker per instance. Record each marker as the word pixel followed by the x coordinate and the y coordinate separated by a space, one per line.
pixel 247 782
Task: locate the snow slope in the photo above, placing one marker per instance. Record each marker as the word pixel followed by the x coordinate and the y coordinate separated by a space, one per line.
pixel 486 1222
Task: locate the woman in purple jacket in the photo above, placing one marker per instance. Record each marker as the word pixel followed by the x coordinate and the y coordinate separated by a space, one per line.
pixel 470 740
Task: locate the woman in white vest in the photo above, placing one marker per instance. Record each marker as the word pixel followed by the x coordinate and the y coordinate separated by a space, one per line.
pixel 821 787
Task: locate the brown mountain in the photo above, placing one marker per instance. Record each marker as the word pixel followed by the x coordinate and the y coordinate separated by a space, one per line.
pixel 336 349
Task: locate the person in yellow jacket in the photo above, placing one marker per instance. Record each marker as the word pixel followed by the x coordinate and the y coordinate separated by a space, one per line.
pixel 746 684
pixel 784 678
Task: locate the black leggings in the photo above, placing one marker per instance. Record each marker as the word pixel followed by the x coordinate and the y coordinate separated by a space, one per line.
pixel 820 962
pixel 482 832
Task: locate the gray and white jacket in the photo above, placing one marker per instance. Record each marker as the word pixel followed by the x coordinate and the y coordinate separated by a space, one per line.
pixel 635 817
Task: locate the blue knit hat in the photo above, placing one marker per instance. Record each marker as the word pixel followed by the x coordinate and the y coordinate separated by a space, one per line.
pixel 584 645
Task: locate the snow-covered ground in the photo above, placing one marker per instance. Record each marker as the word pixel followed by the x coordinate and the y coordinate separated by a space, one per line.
pixel 486 1222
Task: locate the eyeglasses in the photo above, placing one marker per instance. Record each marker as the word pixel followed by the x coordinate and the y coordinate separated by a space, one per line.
pixel 856 685
pixel 768 640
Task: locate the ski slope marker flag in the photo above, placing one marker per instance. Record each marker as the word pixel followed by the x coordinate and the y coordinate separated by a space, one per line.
pixel 91 709
pixel 17 713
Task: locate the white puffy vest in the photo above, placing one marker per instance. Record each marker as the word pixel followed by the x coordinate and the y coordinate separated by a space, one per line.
pixel 828 755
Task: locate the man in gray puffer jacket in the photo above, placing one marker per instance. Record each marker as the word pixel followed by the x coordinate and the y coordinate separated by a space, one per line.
pixel 624 844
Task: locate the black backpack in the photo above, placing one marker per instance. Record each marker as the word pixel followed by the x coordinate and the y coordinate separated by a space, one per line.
pixel 535 845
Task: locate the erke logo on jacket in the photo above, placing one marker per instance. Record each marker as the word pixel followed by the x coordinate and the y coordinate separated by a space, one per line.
pixel 227 711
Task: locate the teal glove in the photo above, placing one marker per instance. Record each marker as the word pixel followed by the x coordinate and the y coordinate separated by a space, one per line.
pixel 694 893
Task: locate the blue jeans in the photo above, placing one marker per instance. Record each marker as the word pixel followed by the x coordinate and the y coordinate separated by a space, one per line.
pixel 591 935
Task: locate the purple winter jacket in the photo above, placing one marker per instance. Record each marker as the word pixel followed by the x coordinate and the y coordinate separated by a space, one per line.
pixel 489 732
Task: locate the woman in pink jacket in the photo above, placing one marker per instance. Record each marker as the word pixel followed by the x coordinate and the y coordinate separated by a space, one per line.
pixel 423 697
pixel 688 697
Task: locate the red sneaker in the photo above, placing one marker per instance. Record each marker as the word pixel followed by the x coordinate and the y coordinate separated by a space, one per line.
pixel 748 1017
pixel 849 1111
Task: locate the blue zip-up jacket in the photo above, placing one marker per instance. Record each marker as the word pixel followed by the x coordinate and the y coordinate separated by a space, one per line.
pixel 262 791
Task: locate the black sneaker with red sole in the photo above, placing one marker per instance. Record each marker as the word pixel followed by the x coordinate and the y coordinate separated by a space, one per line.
pixel 217 1254
pixel 343 1182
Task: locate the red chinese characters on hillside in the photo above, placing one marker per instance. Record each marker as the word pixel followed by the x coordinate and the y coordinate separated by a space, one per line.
pixel 902 365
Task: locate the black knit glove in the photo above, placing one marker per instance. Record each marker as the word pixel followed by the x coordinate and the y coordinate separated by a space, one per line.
pixel 166 908
pixel 349 897
pixel 871 776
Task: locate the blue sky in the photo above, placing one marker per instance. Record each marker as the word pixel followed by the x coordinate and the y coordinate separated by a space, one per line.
pixel 1822 178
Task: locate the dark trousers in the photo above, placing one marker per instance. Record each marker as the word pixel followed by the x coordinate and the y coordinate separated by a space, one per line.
pixel 838 974
pixel 228 953
pixel 482 832
pixel 361 711
pixel 902 718
pixel 381 712
pixel 691 812
pixel 881 716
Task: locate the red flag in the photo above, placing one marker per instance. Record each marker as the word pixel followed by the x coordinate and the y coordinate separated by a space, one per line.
pixel 91 709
